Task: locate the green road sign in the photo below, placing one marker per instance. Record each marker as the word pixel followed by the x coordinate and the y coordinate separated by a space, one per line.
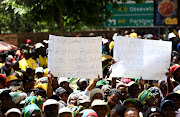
pixel 131 15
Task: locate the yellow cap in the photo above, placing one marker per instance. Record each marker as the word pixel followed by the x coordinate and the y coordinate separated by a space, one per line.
pixel 11 77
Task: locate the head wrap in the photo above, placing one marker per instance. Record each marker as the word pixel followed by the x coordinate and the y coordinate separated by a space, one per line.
pixel 88 112
pixel 30 109
pixel 34 100
pixel 145 96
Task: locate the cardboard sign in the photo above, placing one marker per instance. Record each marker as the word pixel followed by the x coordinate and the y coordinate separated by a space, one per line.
pixel 75 57
pixel 149 59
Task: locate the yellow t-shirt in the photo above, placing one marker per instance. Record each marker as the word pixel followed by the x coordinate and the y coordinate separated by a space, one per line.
pixel 42 61
pixel 24 64
pixel 1 64
pixel 133 35
pixel 111 45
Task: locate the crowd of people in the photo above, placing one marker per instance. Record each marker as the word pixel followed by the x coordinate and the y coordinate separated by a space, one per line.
pixel 28 89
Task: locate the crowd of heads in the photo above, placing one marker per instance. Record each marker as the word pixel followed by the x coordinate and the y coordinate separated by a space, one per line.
pixel 28 89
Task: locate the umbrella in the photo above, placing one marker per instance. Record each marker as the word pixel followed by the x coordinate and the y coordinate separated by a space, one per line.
pixel 6 46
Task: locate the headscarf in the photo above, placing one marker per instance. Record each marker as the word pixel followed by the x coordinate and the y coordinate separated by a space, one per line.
pixel 145 96
pixel 76 109
pixel 88 112
pixel 72 94
pixel 34 100
pixel 30 109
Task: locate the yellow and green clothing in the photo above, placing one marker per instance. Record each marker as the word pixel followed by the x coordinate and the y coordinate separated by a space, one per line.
pixel 133 35
pixel 24 64
pixel 42 61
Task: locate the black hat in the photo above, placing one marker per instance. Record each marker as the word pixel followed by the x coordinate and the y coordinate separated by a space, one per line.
pixel 167 102
pixel 152 110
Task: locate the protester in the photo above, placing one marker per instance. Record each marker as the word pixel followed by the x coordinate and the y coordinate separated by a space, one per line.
pixel 100 107
pixel 131 112
pixel 168 107
pixel 13 112
pixel 154 112
pixel 32 110
pixel 113 97
pixel 133 34
pixel 50 108
pixel 65 112
pixel 6 68
pixel 118 111
pixel 27 62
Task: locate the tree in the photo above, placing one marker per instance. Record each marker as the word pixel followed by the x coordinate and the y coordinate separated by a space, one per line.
pixel 63 12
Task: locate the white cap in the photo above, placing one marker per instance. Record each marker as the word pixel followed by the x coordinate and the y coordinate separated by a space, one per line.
pixel 39 69
pixel 171 35
pixel 94 91
pixel 50 102
pixel 62 79
pixel 46 41
pixel 38 45
pixel 64 110
pixel 13 110
pixel 104 41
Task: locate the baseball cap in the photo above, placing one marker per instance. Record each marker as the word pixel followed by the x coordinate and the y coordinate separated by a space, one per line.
pixel 174 68
pixel 169 102
pixel 11 77
pixel 38 45
pixel 39 69
pixel 82 80
pixel 130 100
pixel 64 110
pixel 152 110
pixel 8 60
pixel 62 79
pixel 13 110
pixel 50 102
pixel 60 90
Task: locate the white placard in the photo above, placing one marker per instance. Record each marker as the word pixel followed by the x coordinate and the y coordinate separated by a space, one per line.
pixel 75 57
pixel 149 59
